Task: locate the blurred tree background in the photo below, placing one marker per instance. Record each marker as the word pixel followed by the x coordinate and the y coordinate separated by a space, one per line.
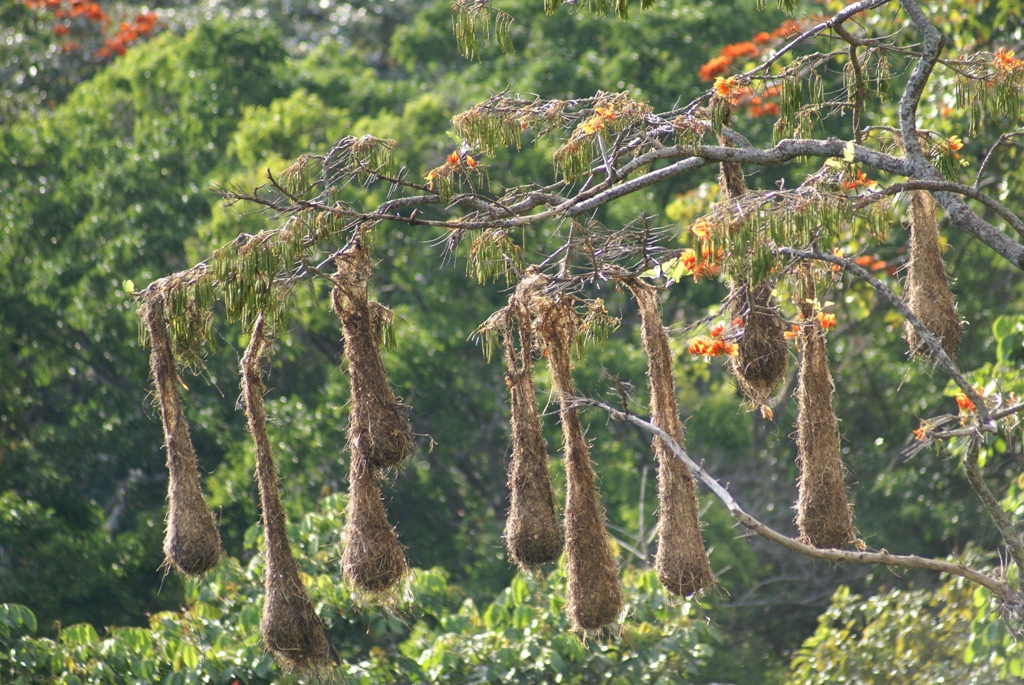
pixel 114 128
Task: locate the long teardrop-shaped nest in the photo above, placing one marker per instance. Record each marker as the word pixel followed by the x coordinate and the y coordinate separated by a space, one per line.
pixel 926 287
pixel 761 362
pixel 824 517
pixel 289 625
pixel 377 425
pixel 681 560
pixel 592 578
pixel 532 533
pixel 191 542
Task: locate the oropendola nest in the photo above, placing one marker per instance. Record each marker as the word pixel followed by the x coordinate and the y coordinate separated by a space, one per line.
pixel 191 542
pixel 926 286
pixel 532 532
pixel 289 625
pixel 760 364
pixel 593 589
pixel 377 424
pixel 373 561
pixel 824 517
pixel 681 560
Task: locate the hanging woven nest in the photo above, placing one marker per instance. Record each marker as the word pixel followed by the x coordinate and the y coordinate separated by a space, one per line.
pixel 376 424
pixel 824 517
pixel 532 532
pixel 681 560
pixel 289 626
pixel 191 542
pixel 761 362
pixel 926 287
pixel 593 589
pixel 373 561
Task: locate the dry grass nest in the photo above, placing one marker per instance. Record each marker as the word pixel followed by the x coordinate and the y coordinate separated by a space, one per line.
pixel 926 286
pixel 373 561
pixel 191 541
pixel 824 517
pixel 289 625
pixel 681 560
pixel 532 532
pixel 761 362
pixel 378 426
pixel 593 590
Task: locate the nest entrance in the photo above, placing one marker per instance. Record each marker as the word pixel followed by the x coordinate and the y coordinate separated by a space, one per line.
pixel 191 541
pixel 532 532
pixel 377 425
pixel 761 362
pixel 289 625
pixel 592 579
pixel 681 560
pixel 926 286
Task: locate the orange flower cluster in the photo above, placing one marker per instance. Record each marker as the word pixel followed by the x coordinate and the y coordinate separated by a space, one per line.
pixel 698 267
pixel 872 263
pixel 1004 61
pixel 713 345
pixel 860 180
pixel 964 402
pixel 827 320
pixel 597 122
pixel 127 33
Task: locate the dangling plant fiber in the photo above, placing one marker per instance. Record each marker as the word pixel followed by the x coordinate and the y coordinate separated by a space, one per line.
pixel 191 542
pixel 374 560
pixel 824 517
pixel 760 363
pixel 681 560
pixel 594 593
pixel 532 533
pixel 289 626
pixel 926 286
pixel 376 422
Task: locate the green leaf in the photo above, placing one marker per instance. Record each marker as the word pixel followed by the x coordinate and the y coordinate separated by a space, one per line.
pixel 79 634
pixel 848 152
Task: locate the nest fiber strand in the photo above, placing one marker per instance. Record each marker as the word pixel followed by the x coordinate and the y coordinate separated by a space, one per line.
pixel 289 626
pixel 760 364
pixel 377 424
pixel 373 561
pixel 532 533
pixel 823 517
pixel 191 542
pixel 681 560
pixel 926 286
pixel 594 594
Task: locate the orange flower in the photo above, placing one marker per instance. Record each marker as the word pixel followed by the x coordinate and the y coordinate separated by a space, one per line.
pixel 699 347
pixel 964 402
pixel 861 179
pixel 701 228
pixel 717 331
pixel 920 433
pixel 762 38
pixel 738 322
pixel 714 67
pixel 592 125
pixel 1004 61
pixel 726 87
pixel 955 143
pixel 61 30
pixel 470 162
pixel 864 260
pixel 606 112
pixel 838 253
pixel 792 333
pixel 688 258
pixel 827 320
pixel 746 49
pixel 453 159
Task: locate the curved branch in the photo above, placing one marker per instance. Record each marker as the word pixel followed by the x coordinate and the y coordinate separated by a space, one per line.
pixel 997 587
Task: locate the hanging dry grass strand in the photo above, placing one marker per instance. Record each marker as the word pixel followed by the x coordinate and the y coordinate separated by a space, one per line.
pixel 681 560
pixel 592 578
pixel 374 560
pixel 824 517
pixel 761 362
pixel 289 626
pixel 926 286
pixel 532 533
pixel 376 422
pixel 191 542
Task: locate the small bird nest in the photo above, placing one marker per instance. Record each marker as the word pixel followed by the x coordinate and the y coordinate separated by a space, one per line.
pixel 191 542
pixel 289 625
pixel 681 560
pixel 760 364
pixel 593 590
pixel 377 424
pixel 373 561
pixel 926 286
